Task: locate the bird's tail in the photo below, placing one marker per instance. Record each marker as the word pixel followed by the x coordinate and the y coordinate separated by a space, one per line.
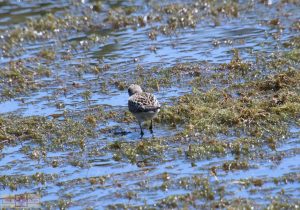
pixel 152 108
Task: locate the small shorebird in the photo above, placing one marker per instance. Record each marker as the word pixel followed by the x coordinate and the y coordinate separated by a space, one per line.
pixel 144 106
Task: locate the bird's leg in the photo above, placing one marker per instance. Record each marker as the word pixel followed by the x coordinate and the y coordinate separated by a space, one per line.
pixel 151 126
pixel 142 133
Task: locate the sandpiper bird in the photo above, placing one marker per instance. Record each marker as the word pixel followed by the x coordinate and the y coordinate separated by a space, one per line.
pixel 144 106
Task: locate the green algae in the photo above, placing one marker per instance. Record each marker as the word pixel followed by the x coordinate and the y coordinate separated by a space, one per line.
pixel 257 112
pixel 217 111
pixel 293 42
pixel 206 150
pixel 47 54
pixel 206 195
pixel 16 182
pixel 235 165
pixel 49 134
pixel 42 28
pixel 121 17
pixel 138 153
pixel 237 64
pixel 296 25
pixel 17 78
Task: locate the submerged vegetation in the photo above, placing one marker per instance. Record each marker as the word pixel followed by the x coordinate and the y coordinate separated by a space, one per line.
pixel 260 106
pixel 226 121
pixel 18 79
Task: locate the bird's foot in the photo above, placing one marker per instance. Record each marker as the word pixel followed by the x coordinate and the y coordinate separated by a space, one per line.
pixel 150 127
pixel 142 134
pixel 151 131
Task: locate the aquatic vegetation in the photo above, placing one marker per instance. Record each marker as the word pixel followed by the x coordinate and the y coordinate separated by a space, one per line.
pixel 237 64
pixel 206 150
pixel 122 17
pixel 235 165
pixel 227 77
pixel 139 152
pixel 217 111
pixel 16 182
pixel 293 42
pixel 42 28
pixel 47 54
pixel 230 8
pixel 51 134
pixel 296 25
pixel 17 78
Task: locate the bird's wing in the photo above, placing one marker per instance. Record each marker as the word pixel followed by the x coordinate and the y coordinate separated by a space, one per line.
pixel 143 102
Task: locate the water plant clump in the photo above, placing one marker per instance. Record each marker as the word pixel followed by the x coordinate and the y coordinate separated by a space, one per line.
pixel 17 78
pixel 44 27
pixel 138 153
pixel 48 134
pixel 17 182
pixel 237 64
pixel 47 54
pixel 251 113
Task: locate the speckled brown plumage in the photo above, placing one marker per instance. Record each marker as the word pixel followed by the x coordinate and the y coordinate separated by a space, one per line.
pixel 144 106
pixel 143 102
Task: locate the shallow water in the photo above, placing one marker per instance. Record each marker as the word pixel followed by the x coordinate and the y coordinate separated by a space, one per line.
pixel 124 49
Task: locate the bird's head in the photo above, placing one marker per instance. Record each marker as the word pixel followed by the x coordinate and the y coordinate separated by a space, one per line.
pixel 133 89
